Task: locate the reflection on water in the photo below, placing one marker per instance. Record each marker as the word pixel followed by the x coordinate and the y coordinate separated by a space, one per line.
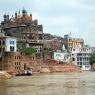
pixel 50 84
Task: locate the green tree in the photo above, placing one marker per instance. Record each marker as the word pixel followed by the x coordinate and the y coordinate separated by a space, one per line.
pixel 28 50
pixel 92 59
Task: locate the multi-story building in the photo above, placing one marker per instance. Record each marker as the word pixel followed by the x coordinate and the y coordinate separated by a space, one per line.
pixel 7 45
pixel 80 57
pixel 15 33
pixel 24 28
pixel 70 42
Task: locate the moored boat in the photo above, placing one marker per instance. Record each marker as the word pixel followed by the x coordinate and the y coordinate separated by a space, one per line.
pixel 25 73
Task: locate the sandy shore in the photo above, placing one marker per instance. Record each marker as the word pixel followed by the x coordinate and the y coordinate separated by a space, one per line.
pixel 4 75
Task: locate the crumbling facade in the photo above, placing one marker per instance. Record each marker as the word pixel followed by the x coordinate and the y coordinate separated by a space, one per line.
pixel 28 33
pixel 22 26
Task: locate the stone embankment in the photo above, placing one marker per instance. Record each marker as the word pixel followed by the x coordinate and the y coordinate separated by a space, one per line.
pixel 4 75
pixel 60 68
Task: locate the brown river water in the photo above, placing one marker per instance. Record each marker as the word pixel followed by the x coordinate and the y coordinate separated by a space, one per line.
pixel 50 84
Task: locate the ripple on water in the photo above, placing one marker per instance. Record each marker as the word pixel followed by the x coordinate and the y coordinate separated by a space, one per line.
pixel 50 84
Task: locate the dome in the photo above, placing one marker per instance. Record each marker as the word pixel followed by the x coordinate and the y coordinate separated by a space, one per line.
pixel 5 16
pixel 24 11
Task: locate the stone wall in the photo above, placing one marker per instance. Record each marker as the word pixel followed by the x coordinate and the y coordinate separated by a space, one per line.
pixel 60 68
pixel 15 62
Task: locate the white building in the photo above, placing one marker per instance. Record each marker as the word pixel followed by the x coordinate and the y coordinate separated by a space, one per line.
pixel 80 57
pixel 62 55
pixel 8 44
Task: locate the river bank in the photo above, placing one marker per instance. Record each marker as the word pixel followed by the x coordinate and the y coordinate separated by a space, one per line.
pixel 46 69
pixel 60 68
pixel 4 75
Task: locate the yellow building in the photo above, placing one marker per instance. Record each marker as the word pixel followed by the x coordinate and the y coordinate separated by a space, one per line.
pixel 76 41
pixel 70 42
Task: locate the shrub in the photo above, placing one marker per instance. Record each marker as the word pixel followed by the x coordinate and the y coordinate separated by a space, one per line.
pixel 28 50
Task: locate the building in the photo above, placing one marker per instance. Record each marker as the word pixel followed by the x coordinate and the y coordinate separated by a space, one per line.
pixel 80 57
pixel 70 42
pixel 17 32
pixel 10 44
pixel 54 44
pixel 7 45
pixel 24 28
pixel 62 55
pixel 77 41
pixel 52 41
pixel 47 36
pixel 14 62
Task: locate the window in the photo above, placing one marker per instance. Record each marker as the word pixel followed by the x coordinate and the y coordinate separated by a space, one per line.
pixel 0 42
pixel 3 42
pixel 58 55
pixel 0 59
pixel 79 54
pixel 23 37
pixel 15 63
pixel 12 42
pixel 77 58
pixel 77 63
pixel 73 49
pixel 11 48
pixel 73 59
pixel 0 49
pixel 80 63
pixel 80 58
pixel 40 37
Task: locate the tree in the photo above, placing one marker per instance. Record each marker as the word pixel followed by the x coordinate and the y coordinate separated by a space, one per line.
pixel 28 50
pixel 92 59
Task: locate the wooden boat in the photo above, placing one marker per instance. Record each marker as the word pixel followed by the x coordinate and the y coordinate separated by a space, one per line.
pixel 25 73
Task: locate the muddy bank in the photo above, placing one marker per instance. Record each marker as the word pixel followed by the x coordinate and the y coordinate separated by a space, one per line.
pixel 4 75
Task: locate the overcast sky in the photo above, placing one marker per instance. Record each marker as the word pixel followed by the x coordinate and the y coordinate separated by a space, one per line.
pixel 59 17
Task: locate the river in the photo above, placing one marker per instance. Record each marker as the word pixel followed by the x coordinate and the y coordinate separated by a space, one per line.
pixel 50 84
